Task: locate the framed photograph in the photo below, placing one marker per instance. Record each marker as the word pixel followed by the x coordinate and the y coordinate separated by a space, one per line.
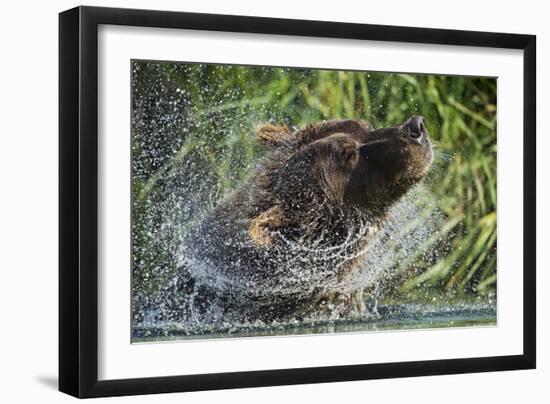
pixel 251 201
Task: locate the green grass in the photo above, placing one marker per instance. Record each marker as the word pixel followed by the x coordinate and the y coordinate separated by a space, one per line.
pixel 214 110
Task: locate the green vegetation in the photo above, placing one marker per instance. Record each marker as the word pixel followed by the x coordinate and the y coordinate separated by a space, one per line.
pixel 205 114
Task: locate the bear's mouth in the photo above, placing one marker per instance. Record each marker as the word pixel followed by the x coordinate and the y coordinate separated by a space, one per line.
pixel 417 135
pixel 428 159
pixel 421 159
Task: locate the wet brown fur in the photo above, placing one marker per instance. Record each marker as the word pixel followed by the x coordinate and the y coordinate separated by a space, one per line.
pixel 319 185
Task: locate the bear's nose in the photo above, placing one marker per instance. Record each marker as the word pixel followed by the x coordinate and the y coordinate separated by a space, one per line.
pixel 416 127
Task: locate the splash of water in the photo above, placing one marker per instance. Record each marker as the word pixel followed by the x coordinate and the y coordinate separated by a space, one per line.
pixel 179 305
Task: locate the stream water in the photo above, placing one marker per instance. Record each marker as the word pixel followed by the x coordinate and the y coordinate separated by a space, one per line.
pixel 390 317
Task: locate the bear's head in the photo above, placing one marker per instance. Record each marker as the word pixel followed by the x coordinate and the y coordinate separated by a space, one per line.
pixel 342 164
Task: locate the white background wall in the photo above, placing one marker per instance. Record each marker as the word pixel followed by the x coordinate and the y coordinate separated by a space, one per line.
pixel 28 199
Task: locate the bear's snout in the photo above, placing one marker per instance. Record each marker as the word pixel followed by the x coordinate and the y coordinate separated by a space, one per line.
pixel 416 128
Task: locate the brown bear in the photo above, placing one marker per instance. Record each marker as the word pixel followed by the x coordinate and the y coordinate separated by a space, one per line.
pixel 289 243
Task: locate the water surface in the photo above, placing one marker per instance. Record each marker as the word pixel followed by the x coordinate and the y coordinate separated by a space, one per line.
pixel 389 317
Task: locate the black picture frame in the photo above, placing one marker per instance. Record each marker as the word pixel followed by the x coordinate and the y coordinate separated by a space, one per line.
pixel 78 201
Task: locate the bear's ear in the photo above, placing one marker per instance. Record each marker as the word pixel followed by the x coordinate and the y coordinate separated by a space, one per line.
pixel 336 158
pixel 261 227
pixel 272 135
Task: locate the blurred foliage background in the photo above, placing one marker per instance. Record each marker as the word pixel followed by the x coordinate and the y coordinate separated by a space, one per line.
pixel 193 140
